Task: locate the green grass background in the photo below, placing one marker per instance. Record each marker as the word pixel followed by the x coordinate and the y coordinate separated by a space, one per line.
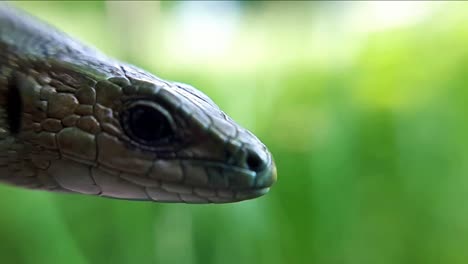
pixel 368 126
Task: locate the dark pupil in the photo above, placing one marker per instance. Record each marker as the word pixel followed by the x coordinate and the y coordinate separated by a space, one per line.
pixel 148 124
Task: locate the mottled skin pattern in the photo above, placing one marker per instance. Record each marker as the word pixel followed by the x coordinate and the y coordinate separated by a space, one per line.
pixel 73 135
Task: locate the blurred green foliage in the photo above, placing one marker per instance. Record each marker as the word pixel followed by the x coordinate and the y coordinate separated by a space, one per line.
pixel 368 126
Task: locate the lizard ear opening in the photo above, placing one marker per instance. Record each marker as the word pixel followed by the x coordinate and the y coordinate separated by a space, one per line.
pixel 14 105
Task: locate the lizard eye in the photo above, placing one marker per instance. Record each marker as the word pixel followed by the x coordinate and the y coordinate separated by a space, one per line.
pixel 147 123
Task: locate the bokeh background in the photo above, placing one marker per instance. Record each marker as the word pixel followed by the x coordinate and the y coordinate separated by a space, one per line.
pixel 363 104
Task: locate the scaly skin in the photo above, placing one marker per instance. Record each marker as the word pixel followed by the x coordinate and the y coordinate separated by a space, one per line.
pixel 70 121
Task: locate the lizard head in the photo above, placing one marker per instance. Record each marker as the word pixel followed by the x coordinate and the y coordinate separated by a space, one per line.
pixel 74 120
pixel 138 137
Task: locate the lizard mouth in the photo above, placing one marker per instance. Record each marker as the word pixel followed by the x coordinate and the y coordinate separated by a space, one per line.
pixel 229 184
pixel 168 193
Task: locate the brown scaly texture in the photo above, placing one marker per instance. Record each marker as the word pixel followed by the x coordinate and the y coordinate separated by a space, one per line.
pixel 70 121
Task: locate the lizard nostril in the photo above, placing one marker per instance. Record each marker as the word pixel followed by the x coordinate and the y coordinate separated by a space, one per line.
pixel 254 161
